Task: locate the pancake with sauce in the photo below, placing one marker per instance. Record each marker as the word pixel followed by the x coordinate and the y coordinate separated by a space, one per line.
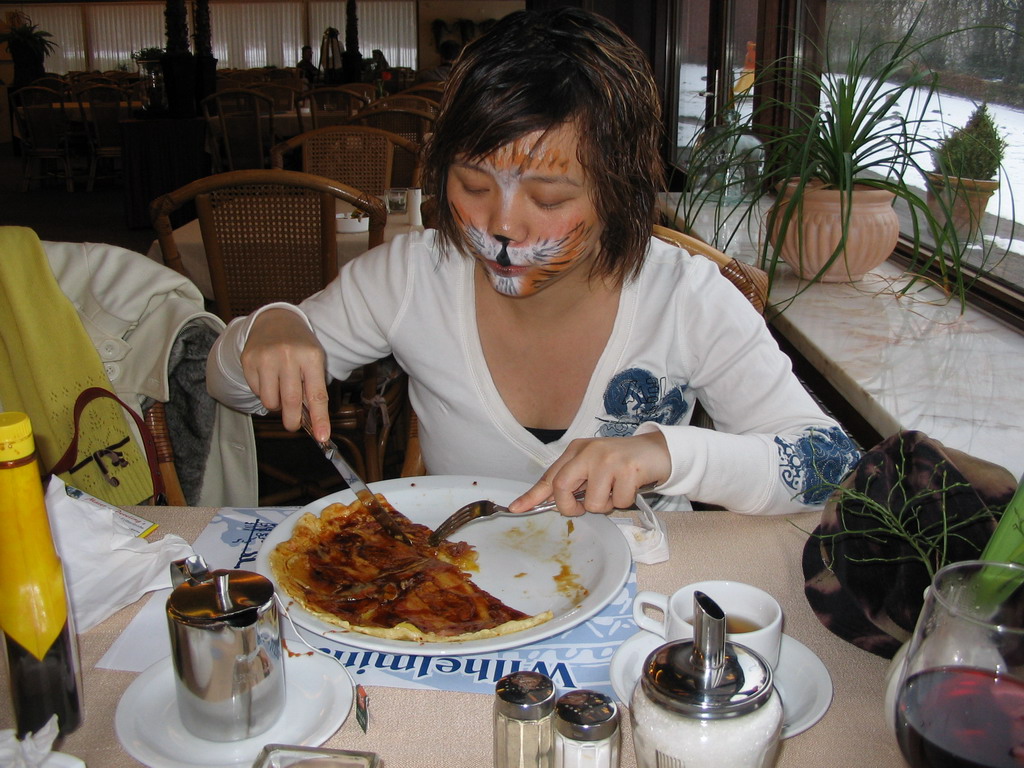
pixel 342 568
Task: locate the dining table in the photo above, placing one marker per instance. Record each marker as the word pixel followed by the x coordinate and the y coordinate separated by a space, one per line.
pixel 189 240
pixel 410 727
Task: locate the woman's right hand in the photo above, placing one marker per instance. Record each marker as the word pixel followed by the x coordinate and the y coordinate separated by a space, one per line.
pixel 283 363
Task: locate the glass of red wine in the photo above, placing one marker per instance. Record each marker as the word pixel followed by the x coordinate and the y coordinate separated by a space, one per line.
pixel 961 699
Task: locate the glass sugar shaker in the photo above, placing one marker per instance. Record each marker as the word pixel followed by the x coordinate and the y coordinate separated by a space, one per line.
pixel 586 731
pixel 524 705
pixel 704 702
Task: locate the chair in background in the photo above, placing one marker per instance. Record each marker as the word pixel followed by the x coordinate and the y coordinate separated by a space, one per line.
pixel 54 82
pixel 403 101
pixel 433 91
pixel 241 126
pixel 411 124
pixel 333 105
pixel 285 96
pixel 362 157
pixel 102 109
pixel 45 133
pixel 366 91
pixel 751 281
pixel 269 235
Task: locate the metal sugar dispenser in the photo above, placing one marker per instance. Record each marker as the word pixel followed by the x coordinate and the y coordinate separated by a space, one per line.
pixel 226 647
pixel 705 702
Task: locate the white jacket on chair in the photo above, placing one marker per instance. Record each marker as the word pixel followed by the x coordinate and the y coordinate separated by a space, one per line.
pixel 133 310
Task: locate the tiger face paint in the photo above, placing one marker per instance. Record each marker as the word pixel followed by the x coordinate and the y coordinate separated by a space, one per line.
pixel 526 211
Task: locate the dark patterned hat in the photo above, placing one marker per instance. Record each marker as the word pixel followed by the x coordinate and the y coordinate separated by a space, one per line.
pixel 864 583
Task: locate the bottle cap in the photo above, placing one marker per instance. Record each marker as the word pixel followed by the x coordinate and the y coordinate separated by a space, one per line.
pixel 16 441
pixel 586 716
pixel 706 678
pixel 525 696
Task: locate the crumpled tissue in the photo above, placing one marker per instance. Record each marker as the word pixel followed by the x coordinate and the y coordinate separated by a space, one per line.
pixel 647 541
pixel 105 569
pixel 33 751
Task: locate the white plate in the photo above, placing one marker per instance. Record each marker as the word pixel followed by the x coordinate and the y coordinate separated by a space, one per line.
pixel 523 561
pixel 320 692
pixel 802 680
pixel 62 760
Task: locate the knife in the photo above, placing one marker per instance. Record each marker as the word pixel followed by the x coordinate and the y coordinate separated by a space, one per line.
pixel 356 484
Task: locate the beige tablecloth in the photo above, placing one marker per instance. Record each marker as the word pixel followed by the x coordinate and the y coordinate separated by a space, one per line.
pixel 414 728
pixel 193 255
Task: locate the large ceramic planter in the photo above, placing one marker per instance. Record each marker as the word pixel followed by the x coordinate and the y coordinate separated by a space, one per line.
pixel 964 200
pixel 816 227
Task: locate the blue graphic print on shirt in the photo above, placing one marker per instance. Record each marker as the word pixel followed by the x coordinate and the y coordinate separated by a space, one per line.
pixel 815 462
pixel 634 396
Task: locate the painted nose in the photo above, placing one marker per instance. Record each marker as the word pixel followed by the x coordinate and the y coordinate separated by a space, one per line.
pixel 502 257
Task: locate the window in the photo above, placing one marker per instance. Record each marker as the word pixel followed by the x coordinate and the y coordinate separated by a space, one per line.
pixel 245 35
pixel 981 65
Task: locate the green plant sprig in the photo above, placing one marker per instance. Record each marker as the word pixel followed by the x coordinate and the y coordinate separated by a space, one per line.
pixel 900 521
pixel 929 544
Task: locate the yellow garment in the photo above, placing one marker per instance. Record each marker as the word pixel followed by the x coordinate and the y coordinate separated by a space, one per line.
pixel 46 360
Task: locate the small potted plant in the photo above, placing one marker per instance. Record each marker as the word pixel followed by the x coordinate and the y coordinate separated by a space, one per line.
pixel 966 168
pixel 154 95
pixel 29 46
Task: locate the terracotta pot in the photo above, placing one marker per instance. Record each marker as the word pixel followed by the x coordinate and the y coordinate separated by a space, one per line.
pixel 816 228
pixel 964 199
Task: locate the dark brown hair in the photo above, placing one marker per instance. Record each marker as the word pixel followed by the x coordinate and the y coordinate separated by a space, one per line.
pixel 538 70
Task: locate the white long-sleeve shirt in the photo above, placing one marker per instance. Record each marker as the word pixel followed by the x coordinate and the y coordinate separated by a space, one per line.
pixel 682 332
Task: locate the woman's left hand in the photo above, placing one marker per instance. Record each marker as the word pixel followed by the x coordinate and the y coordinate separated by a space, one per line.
pixel 610 468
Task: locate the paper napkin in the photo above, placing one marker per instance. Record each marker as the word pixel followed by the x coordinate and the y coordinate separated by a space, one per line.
pixel 105 567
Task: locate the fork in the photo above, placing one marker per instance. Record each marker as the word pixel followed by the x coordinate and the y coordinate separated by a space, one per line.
pixel 488 508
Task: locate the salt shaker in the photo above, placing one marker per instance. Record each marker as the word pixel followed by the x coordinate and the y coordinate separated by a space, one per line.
pixel 524 704
pixel 704 702
pixel 586 731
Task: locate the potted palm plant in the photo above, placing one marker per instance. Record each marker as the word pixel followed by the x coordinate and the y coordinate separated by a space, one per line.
pixel 29 46
pixel 966 165
pixel 857 136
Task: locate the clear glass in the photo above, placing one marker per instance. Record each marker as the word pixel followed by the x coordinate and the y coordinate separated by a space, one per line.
pixel 523 743
pixel 962 691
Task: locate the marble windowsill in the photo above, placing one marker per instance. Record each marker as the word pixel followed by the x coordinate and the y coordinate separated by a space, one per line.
pixel 910 362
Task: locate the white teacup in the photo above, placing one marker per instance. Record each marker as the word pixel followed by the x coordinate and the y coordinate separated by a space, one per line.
pixel 753 617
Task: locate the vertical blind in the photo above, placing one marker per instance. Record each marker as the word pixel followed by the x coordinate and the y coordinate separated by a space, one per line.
pixel 100 36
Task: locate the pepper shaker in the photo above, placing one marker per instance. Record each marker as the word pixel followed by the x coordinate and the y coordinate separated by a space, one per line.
pixel 704 703
pixel 586 731
pixel 524 704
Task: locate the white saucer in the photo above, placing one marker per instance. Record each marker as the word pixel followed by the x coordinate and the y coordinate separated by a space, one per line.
pixel 320 692
pixel 803 682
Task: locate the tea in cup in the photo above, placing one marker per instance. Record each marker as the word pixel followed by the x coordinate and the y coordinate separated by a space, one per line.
pixel 753 617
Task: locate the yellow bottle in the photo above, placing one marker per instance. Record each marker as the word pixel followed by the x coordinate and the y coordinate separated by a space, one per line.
pixel 37 627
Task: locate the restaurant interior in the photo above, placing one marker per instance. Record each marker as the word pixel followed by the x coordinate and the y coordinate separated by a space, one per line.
pixel 105 147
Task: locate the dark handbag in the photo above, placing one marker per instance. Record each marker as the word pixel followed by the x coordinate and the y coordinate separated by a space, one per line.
pixel 108 461
pixel 865 583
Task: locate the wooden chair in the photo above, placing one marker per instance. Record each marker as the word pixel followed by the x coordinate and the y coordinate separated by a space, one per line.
pixel 751 282
pixel 433 91
pixel 284 95
pixel 103 108
pixel 269 235
pixel 361 157
pixel 241 126
pixel 45 133
pixel 410 124
pixel 366 91
pixel 333 105
pixel 406 101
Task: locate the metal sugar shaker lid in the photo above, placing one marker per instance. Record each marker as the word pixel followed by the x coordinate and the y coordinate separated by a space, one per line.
pixel 586 716
pixel 234 597
pixel 525 696
pixel 706 677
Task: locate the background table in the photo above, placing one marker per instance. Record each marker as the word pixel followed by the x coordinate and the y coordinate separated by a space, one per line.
pixel 419 728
